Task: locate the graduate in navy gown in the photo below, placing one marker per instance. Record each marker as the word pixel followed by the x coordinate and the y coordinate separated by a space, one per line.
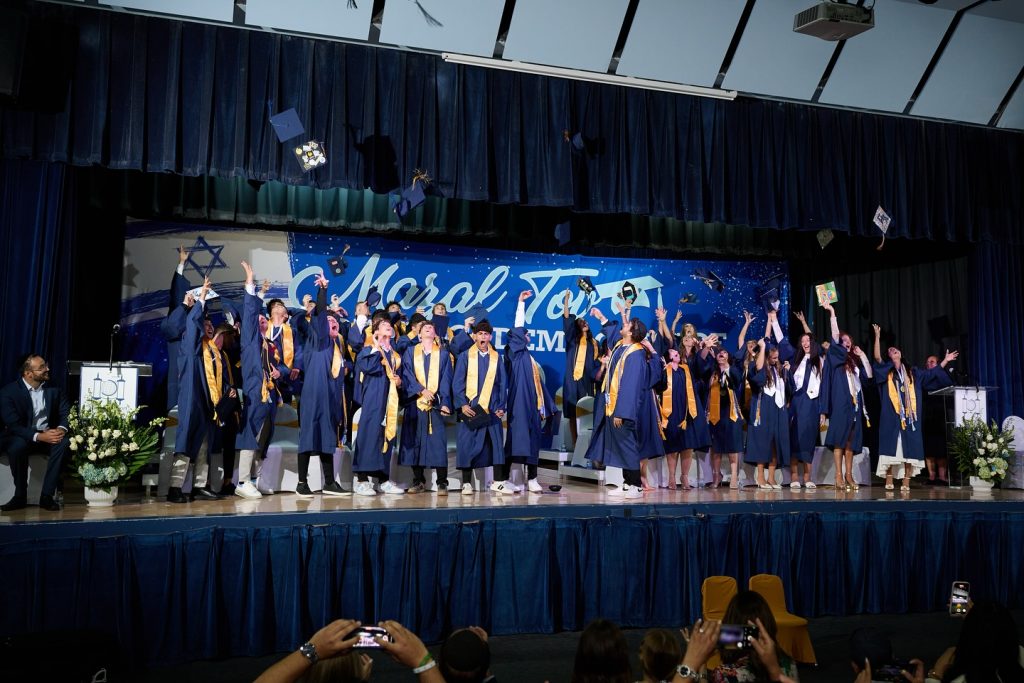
pixel 259 376
pixel 282 331
pixel 479 385
pixel 202 383
pixel 380 390
pixel 322 415
pixel 900 424
pixel 684 420
pixel 529 406
pixel 934 418
pixel 627 386
pixel 427 377
pixel 768 429
pixel 581 363
pixel 173 326
pixel 805 410
pixel 847 368
pixel 725 415
pixel 747 350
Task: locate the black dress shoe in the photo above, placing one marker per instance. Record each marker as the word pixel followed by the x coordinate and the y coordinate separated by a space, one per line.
pixel 174 495
pixel 48 503
pixel 227 489
pixel 14 504
pixel 205 494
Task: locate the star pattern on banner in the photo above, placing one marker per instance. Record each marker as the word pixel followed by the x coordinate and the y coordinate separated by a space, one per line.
pixel 201 246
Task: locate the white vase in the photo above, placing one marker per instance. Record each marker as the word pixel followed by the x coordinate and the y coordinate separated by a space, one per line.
pixel 979 484
pixel 100 498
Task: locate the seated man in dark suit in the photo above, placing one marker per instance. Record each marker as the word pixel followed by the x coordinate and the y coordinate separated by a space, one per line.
pixel 37 423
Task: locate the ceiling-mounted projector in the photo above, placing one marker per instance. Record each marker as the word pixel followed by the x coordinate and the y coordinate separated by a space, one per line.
pixel 834 21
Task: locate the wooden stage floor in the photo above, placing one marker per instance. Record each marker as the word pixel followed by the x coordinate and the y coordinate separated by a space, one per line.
pixel 576 499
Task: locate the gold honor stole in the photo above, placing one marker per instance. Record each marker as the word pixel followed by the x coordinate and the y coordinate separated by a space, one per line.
pixel 214 367
pixel 287 343
pixel 581 357
pixel 427 378
pixel 666 398
pixel 336 360
pixel 472 377
pixel 391 412
pixel 715 405
pixel 537 387
pixel 613 390
pixel 897 404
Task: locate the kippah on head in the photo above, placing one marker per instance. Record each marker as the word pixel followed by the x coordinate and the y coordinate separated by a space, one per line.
pixel 465 653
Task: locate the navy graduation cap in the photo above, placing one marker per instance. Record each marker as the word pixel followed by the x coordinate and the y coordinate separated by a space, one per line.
pixel 338 264
pixel 478 313
pixel 586 285
pixel 372 298
pixel 411 197
pixel 286 125
pixel 708 277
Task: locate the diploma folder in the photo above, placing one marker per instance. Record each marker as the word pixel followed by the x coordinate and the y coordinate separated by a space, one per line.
pixel 478 421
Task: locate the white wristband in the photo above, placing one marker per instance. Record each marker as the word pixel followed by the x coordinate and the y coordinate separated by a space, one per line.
pixel 426 667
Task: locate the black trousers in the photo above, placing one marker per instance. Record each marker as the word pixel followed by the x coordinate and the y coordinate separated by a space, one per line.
pixel 419 475
pixel 631 477
pixel 18 451
pixel 501 472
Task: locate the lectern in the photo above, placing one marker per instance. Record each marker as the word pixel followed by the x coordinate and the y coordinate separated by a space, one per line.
pixel 968 403
pixel 110 381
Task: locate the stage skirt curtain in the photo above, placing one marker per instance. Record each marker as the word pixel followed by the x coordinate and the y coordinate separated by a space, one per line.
pixel 37 227
pixel 168 96
pixel 225 592
pixel 997 326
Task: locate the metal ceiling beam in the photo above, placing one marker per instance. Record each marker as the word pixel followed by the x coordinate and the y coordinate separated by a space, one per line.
pixel 376 19
pixel 503 26
pixel 620 42
pixel 741 26
pixel 950 30
pixel 994 121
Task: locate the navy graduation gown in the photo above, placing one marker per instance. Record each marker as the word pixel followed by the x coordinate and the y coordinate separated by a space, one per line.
pixel 844 410
pixel 481 447
pixel 321 404
pixel 423 440
pixel 372 450
pixel 695 434
pixel 805 413
pixel 172 328
pixel 890 428
pixel 575 389
pixel 620 446
pixel 257 355
pixel 769 423
pixel 726 435
pixel 648 424
pixel 195 411
pixel 523 437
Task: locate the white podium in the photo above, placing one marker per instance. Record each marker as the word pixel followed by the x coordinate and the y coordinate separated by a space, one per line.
pixel 968 403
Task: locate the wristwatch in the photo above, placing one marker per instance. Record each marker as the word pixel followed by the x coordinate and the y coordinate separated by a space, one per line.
pixel 687 672
pixel 308 650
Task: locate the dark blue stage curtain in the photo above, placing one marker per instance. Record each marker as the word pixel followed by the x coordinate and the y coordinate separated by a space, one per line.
pixel 168 96
pixel 37 227
pixel 997 326
pixel 231 592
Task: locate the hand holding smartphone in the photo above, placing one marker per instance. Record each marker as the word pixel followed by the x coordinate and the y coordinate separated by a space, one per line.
pixel 959 599
pixel 736 636
pixel 367 634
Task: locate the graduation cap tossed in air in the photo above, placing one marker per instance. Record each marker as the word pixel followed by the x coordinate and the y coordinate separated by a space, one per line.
pixel 882 220
pixel 372 298
pixel 688 298
pixel 311 155
pixel 286 125
pixel 563 233
pixel 411 197
pixel 708 277
pixel 338 264
pixel 586 285
pixel 769 293
pixel 629 291
pixel 575 140
pixel 440 323
pixel 478 313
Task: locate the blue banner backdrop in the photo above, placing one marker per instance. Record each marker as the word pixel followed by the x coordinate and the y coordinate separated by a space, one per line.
pixel 421 274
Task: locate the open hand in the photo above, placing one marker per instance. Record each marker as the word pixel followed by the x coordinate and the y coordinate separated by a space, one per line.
pixel 183 254
pixel 248 272
pixel 321 281
pixel 748 317
pixel 951 355
pixel 877 329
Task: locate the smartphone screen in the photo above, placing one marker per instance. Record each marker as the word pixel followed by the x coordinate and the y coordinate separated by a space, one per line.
pixel 958 598
pixel 366 636
pixel 735 636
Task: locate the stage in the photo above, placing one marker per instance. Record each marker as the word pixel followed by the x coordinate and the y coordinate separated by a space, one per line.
pixel 233 577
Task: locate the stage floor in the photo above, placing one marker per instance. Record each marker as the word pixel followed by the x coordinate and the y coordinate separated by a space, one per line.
pixel 577 499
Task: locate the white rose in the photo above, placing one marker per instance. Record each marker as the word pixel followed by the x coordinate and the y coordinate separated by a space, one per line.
pixel 134 446
pixel 116 433
pixel 73 445
pixel 105 433
pixel 981 451
pixel 92 456
pixel 79 438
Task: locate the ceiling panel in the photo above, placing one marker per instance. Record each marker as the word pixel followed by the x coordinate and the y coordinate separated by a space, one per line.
pixel 880 68
pixel 577 34
pixel 467 26
pixel 1013 115
pixel 1011 10
pixel 212 10
pixel 975 71
pixel 771 59
pixel 323 17
pixel 683 41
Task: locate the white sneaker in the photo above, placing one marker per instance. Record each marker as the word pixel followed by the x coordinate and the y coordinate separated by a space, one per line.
pixel 775 486
pixel 467 489
pixel 502 488
pixel 535 486
pixel 633 492
pixel 794 484
pixel 248 491
pixel 810 485
pixel 617 491
pixel 364 488
pixel 391 488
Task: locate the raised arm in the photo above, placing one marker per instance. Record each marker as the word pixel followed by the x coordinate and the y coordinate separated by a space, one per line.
pixel 760 354
pixel 803 322
pixel 675 322
pixel 877 349
pixel 520 320
pixel 742 339
pixel 565 303
pixel 660 314
pixel 832 321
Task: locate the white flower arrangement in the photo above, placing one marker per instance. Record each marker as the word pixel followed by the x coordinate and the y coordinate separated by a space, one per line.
pixel 982 450
pixel 107 446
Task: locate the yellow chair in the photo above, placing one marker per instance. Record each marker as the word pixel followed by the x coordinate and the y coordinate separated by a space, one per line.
pixel 792 636
pixel 716 593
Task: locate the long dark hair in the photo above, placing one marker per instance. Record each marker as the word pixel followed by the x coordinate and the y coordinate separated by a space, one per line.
pixel 988 649
pixel 815 354
pixel 746 606
pixel 580 334
pixel 851 357
pixel 602 655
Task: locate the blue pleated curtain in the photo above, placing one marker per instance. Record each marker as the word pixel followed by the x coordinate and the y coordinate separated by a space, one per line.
pixel 222 592
pixel 166 96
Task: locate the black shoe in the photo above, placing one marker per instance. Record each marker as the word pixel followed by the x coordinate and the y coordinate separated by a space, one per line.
pixel 48 503
pixel 302 490
pixel 442 490
pixel 14 504
pixel 205 494
pixel 334 489
pixel 174 495
pixel 227 489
